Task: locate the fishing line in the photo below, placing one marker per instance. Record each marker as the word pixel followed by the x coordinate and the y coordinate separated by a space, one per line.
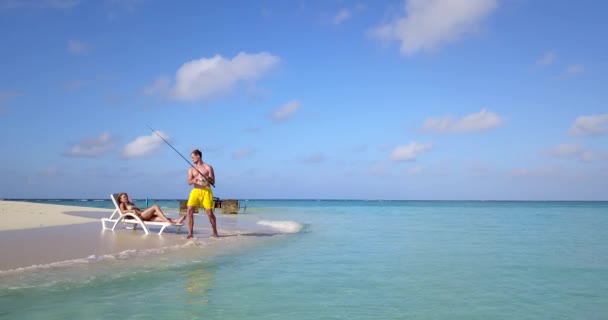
pixel 167 142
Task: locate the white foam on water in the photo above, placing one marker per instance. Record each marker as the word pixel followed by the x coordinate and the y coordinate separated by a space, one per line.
pixel 282 226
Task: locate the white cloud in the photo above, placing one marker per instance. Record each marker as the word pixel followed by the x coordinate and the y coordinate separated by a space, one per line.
pixel 208 77
pixel 144 146
pixel 161 87
pixel 77 47
pixel 577 151
pixel 91 147
pixel 409 152
pixel 480 121
pixel 565 150
pixel 590 125
pixel 547 59
pixel 243 153
pixel 574 70
pixel 430 24
pixel 592 156
pixel 342 15
pixel 285 111
pixel 41 4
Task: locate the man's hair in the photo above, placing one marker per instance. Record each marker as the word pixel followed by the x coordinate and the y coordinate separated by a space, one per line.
pixel 197 152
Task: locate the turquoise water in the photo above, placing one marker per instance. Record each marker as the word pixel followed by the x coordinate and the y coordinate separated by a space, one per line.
pixel 351 260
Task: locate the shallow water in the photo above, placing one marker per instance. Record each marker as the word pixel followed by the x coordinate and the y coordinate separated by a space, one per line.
pixel 348 260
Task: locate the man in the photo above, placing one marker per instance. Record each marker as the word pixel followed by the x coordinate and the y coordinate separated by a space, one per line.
pixel 201 195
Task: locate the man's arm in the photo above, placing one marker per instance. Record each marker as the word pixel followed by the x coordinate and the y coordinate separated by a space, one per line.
pixel 191 177
pixel 211 175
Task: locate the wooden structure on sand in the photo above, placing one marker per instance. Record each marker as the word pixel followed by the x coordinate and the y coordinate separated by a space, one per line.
pixel 229 206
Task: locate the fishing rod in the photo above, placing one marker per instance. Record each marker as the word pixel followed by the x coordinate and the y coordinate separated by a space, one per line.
pixel 167 142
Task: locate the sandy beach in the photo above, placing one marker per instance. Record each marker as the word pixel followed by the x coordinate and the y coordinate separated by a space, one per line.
pixel 36 234
pixel 18 215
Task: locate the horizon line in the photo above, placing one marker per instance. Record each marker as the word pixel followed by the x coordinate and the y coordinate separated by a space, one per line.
pixel 313 199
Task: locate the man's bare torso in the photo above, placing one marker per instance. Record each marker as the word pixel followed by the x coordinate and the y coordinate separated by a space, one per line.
pixel 205 169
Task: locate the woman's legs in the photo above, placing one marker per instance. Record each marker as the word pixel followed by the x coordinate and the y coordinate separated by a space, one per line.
pixel 154 213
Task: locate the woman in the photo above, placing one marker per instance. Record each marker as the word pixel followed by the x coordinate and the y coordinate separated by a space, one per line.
pixel 153 213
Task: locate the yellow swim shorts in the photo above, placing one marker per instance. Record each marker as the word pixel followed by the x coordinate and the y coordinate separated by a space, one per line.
pixel 201 197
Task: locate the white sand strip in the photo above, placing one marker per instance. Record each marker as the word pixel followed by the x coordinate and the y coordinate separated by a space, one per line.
pixel 38 233
pixel 18 215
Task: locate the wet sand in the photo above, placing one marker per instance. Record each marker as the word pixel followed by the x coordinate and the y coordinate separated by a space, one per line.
pixel 23 248
pixel 37 234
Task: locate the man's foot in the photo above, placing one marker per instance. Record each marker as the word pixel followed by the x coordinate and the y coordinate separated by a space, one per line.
pixel 189 236
pixel 216 235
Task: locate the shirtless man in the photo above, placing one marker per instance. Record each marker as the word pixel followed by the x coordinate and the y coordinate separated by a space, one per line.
pixel 201 194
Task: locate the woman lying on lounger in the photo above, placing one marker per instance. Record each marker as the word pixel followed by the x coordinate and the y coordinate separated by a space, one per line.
pixel 153 213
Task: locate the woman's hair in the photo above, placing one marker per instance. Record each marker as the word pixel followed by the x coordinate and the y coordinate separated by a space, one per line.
pixel 125 194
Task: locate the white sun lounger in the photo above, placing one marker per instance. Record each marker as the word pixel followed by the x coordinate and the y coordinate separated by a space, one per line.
pixel 132 220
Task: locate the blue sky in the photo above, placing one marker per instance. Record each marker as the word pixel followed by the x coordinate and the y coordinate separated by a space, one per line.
pixel 418 99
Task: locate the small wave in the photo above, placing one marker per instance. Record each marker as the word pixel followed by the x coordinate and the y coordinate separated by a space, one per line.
pixel 65 263
pixel 283 226
pixel 123 255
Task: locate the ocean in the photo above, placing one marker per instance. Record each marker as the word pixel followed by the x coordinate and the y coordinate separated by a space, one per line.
pixel 345 260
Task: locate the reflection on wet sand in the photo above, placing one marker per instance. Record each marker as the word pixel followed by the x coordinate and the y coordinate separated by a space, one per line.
pixel 198 283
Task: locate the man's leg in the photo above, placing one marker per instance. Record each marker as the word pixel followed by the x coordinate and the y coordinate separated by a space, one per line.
pixel 212 220
pixel 208 205
pixel 193 202
pixel 190 217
